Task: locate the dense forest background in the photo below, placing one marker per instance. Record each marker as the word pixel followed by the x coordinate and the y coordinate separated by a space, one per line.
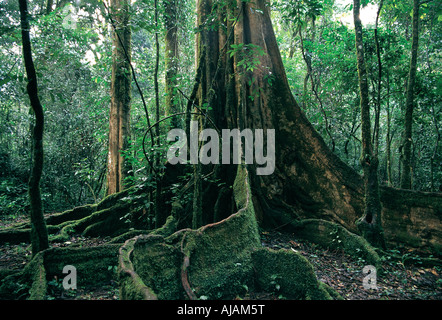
pixel 72 48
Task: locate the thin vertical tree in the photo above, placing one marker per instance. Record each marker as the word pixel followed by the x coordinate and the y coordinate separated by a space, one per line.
pixel 370 223
pixel 379 83
pixel 171 57
pixel 39 234
pixel 159 221
pixel 409 103
pixel 119 118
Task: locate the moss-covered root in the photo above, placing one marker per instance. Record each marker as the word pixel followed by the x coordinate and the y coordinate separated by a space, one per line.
pixel 106 222
pixel 93 265
pixel 29 283
pixel 331 235
pixel 216 261
pixel 103 218
pixel 213 261
pixel 288 274
pixel 220 253
pixel 132 286
pixel 20 232
pixel 39 282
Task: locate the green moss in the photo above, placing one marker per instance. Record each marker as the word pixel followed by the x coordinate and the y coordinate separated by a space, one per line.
pixel 159 266
pixel 331 235
pixel 220 257
pixel 72 214
pixel 224 259
pixel 129 235
pixel 219 254
pixel 37 272
pixel 287 273
pixel 106 222
pixel 332 292
pixel 132 286
pixel 94 264
pixel 132 194
pixel 168 228
pixel 29 283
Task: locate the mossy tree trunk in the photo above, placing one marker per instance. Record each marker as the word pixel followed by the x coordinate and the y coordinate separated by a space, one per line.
pixel 370 224
pixel 119 118
pixel 39 234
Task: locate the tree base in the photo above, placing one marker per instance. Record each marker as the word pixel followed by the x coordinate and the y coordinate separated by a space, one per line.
pixel 221 260
pixel 217 261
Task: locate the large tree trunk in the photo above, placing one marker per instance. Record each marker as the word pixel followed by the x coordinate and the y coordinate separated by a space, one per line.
pixel 39 234
pixel 309 179
pixel 409 103
pixel 119 118
pixel 224 256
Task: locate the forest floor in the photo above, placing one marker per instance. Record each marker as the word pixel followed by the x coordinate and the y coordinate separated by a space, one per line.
pixel 333 267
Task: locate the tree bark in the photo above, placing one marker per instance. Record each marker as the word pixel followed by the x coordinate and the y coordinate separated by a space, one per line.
pixel 370 224
pixel 119 119
pixel 309 180
pixel 159 216
pixel 388 136
pixel 49 6
pixel 379 83
pixel 39 234
pixel 171 58
pixel 409 103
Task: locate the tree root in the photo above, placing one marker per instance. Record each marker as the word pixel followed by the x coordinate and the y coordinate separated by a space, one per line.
pixel 331 235
pixel 217 261
pixel 94 265
pixel 220 260
pixel 107 218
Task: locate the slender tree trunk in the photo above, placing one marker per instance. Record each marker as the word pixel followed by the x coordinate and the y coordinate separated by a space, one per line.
pixel 39 234
pixel 155 74
pixel 409 103
pixel 159 216
pixel 171 58
pixel 379 83
pixel 119 119
pixel 388 138
pixel 370 223
pixel 435 151
pixel 49 6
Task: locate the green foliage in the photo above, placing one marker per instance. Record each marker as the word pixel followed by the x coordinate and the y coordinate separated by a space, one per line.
pixel 328 45
pixel 248 55
pixel 73 65
pixel 13 198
